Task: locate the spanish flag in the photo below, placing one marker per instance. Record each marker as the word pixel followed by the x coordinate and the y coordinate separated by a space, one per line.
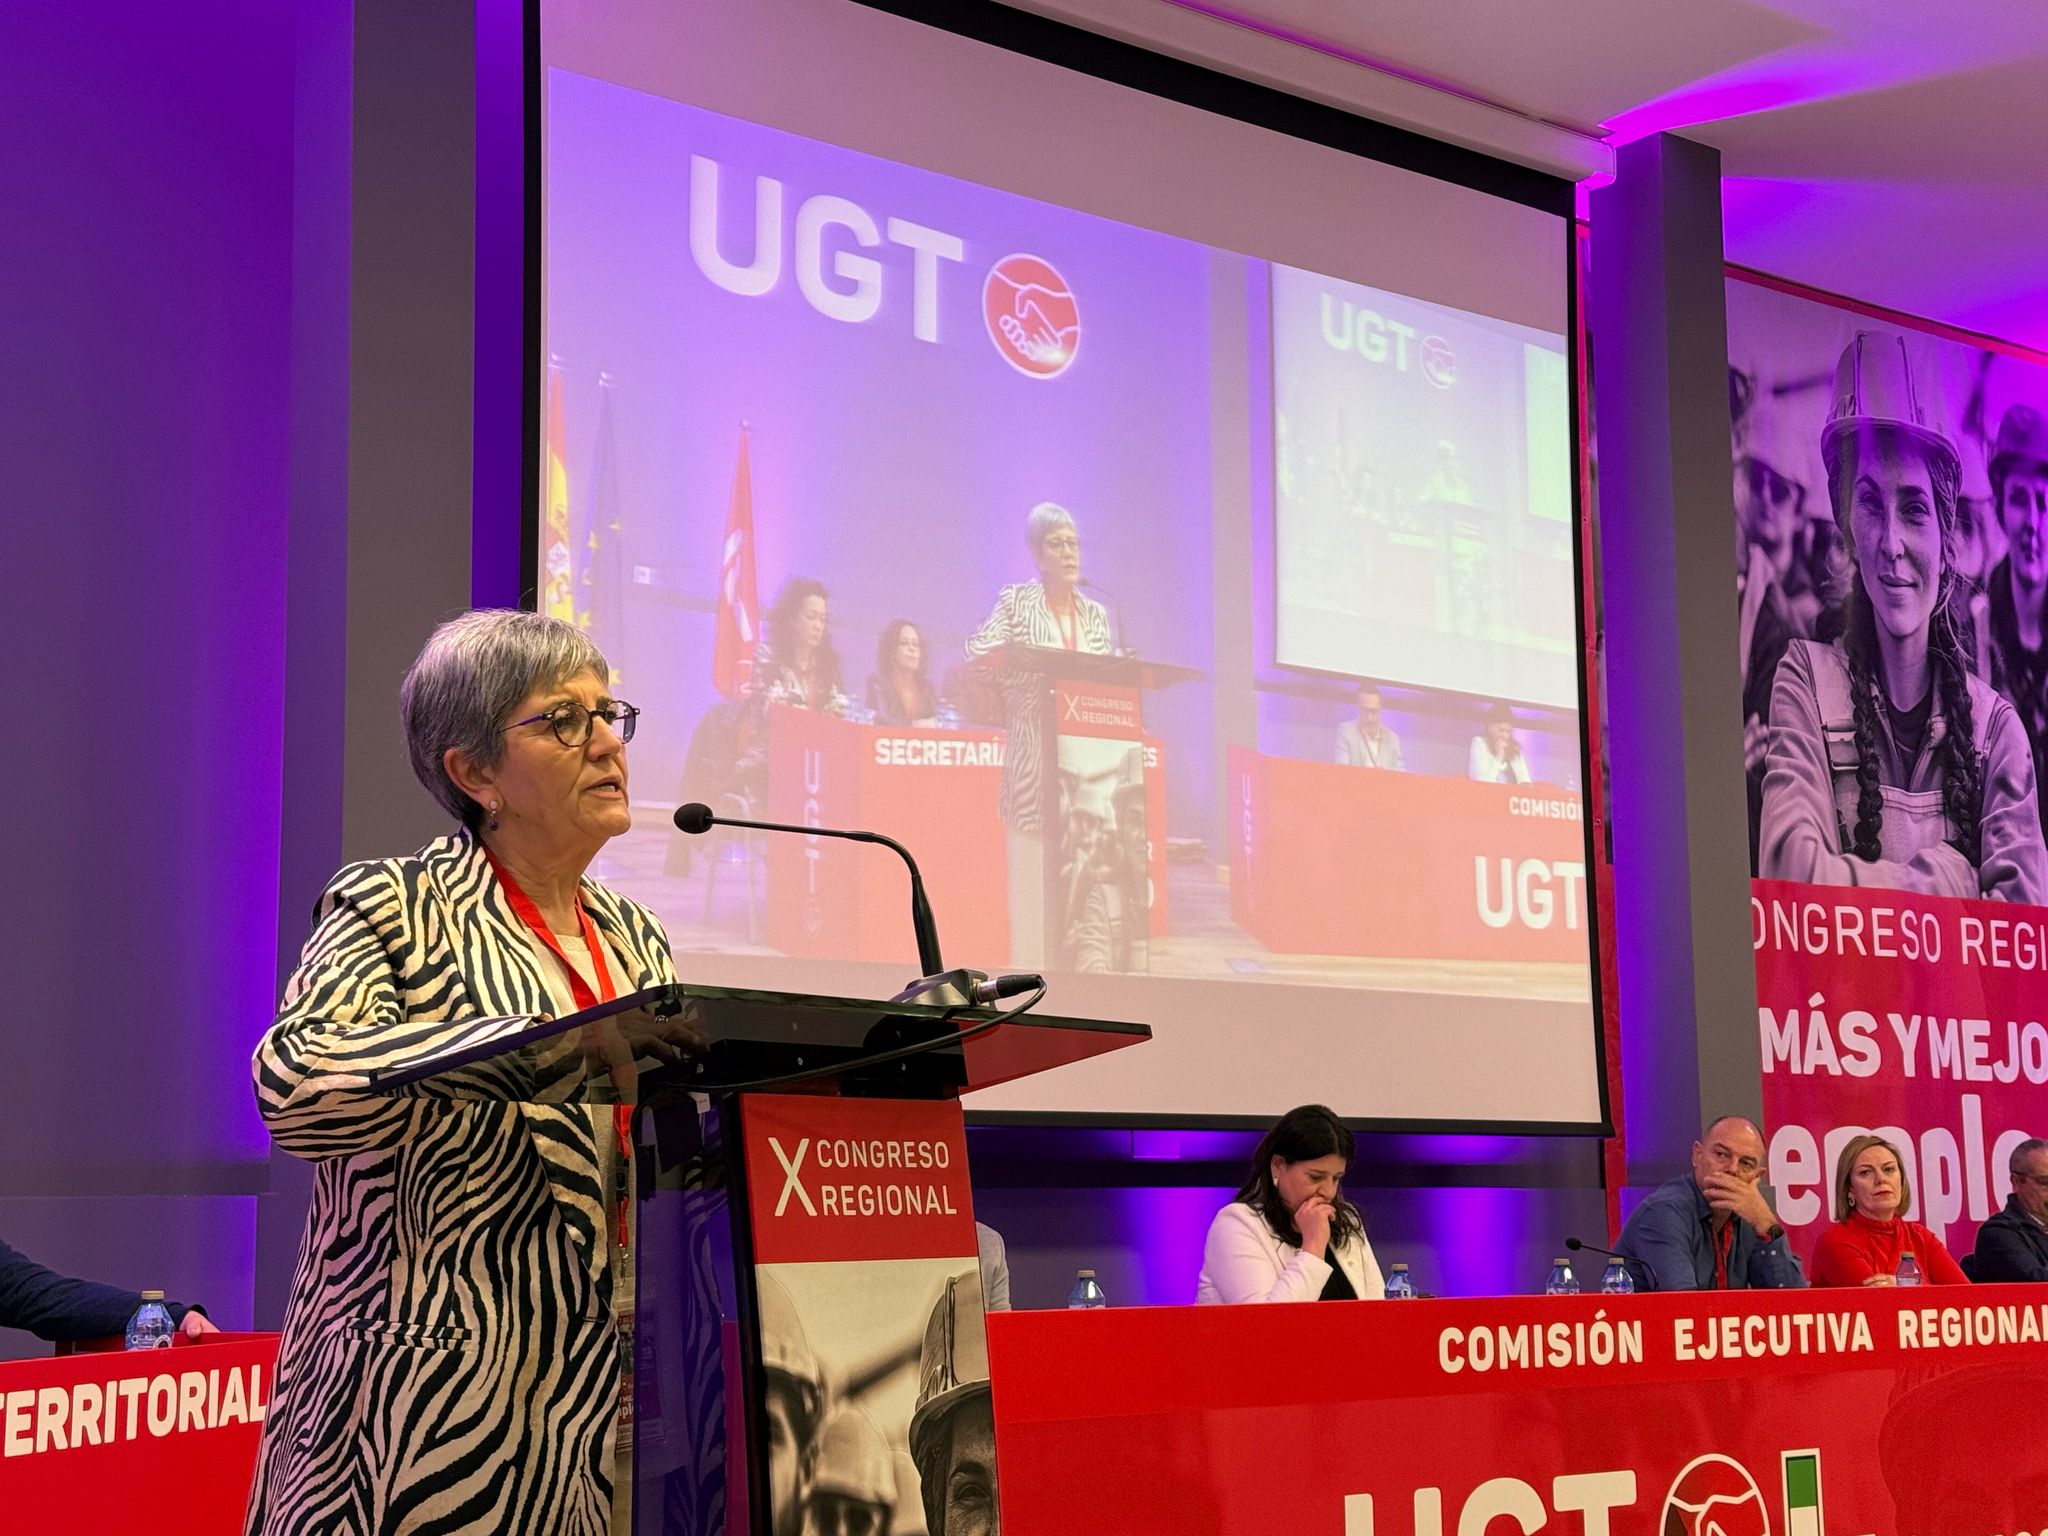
pixel 557 588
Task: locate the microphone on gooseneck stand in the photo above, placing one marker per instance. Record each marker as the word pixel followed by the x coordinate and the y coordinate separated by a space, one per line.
pixel 1115 608
pixel 1631 1265
pixel 937 985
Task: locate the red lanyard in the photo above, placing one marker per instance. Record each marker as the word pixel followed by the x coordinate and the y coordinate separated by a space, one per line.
pixel 1069 623
pixel 579 990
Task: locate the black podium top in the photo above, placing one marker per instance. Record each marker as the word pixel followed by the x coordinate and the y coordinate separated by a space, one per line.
pixel 717 1039
pixel 1056 662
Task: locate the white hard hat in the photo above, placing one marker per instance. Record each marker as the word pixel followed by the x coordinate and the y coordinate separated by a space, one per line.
pixel 953 1365
pixel 1876 389
pixel 785 1352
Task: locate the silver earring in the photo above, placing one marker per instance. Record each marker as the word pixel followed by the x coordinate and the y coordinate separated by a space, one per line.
pixel 493 809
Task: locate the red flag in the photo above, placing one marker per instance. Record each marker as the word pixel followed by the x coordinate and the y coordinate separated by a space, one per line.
pixel 739 608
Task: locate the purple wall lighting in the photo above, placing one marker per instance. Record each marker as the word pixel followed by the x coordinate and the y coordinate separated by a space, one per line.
pixel 147 269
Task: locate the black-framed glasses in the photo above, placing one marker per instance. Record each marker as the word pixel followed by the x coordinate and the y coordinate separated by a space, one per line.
pixel 571 721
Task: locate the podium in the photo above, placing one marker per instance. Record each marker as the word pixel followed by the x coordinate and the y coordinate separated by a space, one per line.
pixel 1086 778
pixel 807 1320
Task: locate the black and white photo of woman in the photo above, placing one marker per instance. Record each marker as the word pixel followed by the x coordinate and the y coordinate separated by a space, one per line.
pixel 1889 763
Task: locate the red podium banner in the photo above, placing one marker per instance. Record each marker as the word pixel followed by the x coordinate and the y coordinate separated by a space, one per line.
pixel 1804 1413
pixel 1917 1017
pixel 1330 860
pixel 162 1442
pixel 862 1223
pixel 833 1180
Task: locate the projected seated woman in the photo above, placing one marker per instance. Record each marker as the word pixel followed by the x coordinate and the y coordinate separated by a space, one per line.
pixel 1049 612
pixel 1889 764
pixel 795 665
pixel 1869 1240
pixel 899 693
pixel 1496 757
pixel 1290 1235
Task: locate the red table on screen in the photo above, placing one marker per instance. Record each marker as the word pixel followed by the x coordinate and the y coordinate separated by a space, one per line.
pixel 1332 860
pixel 934 791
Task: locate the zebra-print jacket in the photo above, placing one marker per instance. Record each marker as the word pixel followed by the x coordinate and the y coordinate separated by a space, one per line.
pixel 449 1360
pixel 1022 616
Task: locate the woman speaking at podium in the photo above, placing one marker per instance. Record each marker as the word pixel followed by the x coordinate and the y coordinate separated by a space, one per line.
pixel 1049 612
pixel 1290 1235
pixel 450 1360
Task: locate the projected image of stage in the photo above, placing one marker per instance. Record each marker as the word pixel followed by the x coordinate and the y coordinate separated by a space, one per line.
pixel 1063 549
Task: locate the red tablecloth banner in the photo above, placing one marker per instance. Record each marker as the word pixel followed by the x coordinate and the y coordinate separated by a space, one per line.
pixel 160 1442
pixel 1805 1413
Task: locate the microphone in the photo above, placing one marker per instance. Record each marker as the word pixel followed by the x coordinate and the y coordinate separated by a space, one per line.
pixel 696 818
pixel 1116 608
pixel 972 986
pixel 1631 1264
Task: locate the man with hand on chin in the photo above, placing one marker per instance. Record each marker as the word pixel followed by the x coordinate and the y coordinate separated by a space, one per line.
pixel 1712 1229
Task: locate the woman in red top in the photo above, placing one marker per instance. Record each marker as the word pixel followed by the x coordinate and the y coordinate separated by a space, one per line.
pixel 1869 1238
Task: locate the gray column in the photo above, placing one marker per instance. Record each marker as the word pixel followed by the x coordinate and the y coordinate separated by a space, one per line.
pixel 1660 350
pixel 384 313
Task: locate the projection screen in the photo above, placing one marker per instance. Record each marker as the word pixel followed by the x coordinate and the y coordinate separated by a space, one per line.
pixel 1162 523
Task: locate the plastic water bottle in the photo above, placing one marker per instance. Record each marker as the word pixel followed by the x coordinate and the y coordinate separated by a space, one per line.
pixel 1086 1293
pixel 1399 1286
pixel 1615 1280
pixel 150 1327
pixel 1909 1270
pixel 1562 1281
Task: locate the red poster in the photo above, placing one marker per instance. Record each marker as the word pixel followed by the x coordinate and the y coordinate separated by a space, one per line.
pixel 1895 735
pixel 162 1441
pixel 831 1180
pixel 1098 709
pixel 1762 1414
pixel 1915 1017
pixel 869 1305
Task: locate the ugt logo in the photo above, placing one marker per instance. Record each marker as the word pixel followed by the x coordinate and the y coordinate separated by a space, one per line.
pixel 1031 316
pixel 1439 362
pixel 1714 1495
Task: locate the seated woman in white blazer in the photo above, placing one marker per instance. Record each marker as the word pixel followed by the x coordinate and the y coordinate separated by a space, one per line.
pixel 1290 1235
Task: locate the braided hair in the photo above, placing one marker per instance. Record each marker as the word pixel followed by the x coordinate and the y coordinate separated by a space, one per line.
pixel 1947 649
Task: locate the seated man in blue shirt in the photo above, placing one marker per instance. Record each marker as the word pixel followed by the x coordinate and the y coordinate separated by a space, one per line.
pixel 1712 1229
pixel 63 1310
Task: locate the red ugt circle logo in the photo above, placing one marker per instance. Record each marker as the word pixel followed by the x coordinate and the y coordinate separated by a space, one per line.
pixel 1031 316
pixel 1714 1495
pixel 1439 362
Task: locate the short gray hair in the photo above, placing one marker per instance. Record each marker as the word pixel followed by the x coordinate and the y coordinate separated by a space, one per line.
pixel 2022 1152
pixel 1045 517
pixel 467 678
